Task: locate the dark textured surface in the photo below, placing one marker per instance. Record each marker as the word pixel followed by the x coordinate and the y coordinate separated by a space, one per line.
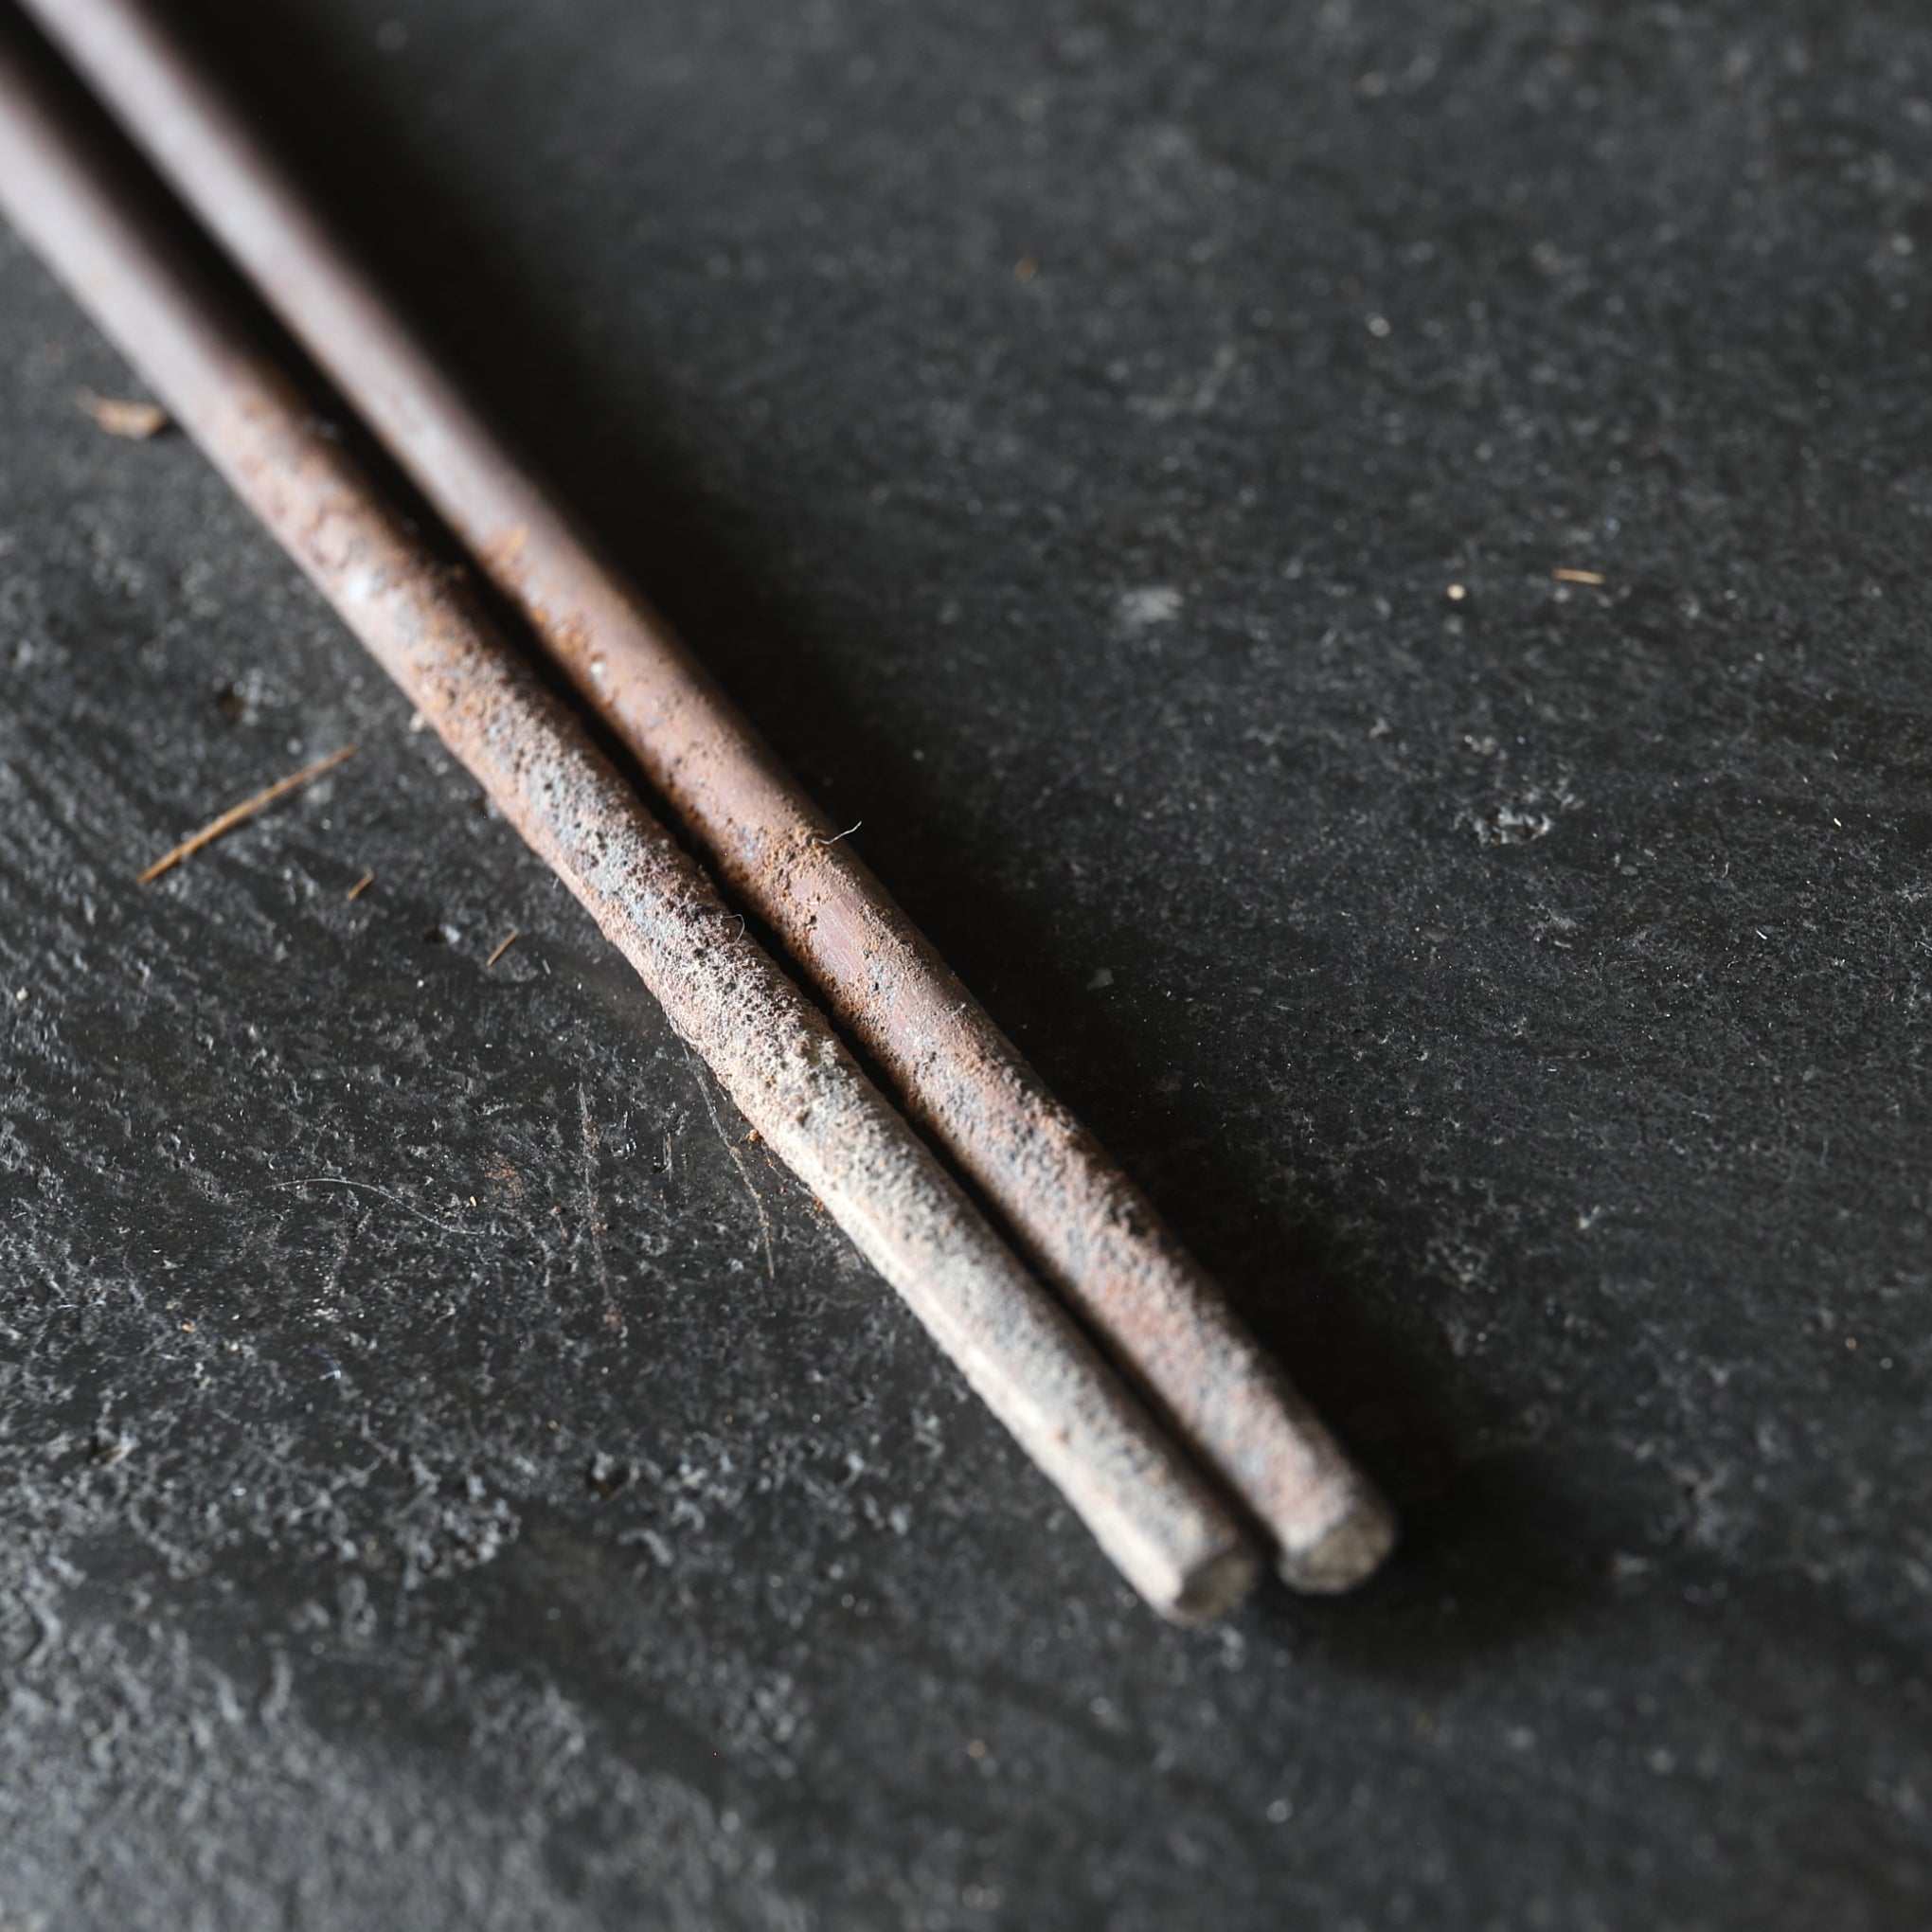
pixel 1520 999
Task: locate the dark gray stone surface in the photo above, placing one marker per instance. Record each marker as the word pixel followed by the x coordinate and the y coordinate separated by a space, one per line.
pixel 450 1481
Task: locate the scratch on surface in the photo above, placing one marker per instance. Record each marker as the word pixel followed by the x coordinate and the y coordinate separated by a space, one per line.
pixel 350 1236
pixel 48 1630
pixel 764 1220
pixel 592 1213
pixel 273 1703
pixel 371 1188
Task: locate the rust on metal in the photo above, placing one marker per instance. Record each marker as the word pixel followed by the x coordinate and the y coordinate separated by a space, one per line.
pixel 1086 1226
pixel 772 1051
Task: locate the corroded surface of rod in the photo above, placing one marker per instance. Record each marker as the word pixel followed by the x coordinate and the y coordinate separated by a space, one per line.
pixel 1086 1226
pixel 770 1047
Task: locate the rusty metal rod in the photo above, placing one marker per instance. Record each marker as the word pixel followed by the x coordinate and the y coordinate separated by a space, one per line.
pixel 772 1051
pixel 1085 1225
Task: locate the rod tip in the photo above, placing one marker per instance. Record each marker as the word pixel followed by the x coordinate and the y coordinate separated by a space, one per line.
pixel 1212 1588
pixel 1348 1552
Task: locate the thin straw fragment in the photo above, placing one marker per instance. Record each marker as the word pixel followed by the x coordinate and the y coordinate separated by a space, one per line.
pixel 132 422
pixel 235 814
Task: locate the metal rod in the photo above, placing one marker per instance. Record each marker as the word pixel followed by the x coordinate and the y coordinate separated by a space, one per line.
pixel 1085 1226
pixel 770 1050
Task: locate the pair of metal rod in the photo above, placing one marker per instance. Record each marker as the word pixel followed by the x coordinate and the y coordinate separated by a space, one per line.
pixel 1072 1212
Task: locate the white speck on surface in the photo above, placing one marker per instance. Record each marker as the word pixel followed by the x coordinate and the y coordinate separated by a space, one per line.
pixel 1153 603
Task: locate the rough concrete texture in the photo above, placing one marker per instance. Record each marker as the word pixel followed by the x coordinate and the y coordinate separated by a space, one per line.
pixel 1061 425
